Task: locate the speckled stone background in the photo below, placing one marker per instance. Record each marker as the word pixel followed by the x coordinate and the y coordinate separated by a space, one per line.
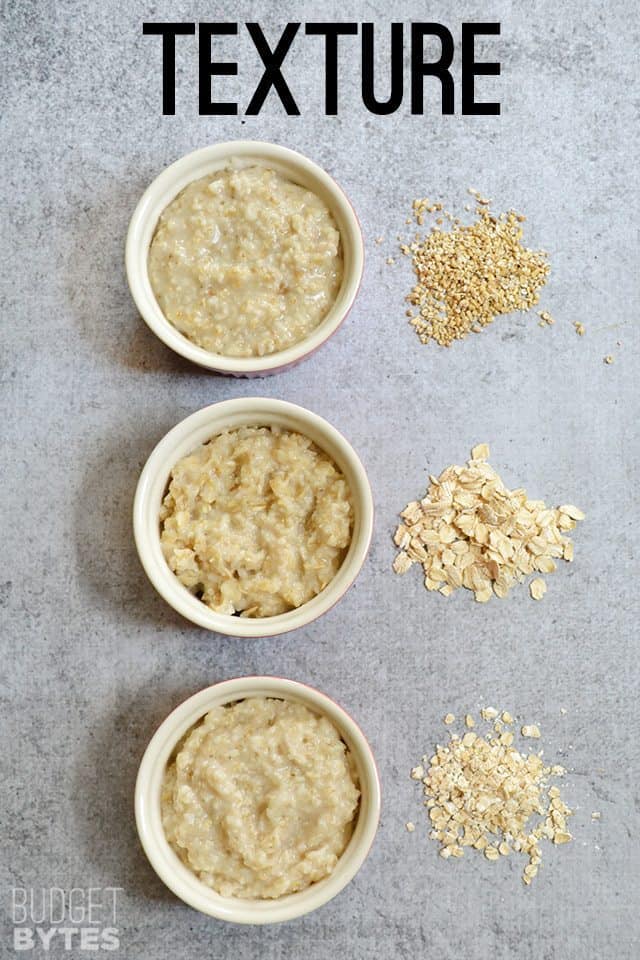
pixel 94 659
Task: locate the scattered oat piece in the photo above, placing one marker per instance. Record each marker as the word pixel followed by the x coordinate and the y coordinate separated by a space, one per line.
pixel 506 717
pixel 470 531
pixel 531 731
pixel 562 837
pixel 469 722
pixel 483 794
pixel 401 563
pixel 390 261
pixel 537 588
pixel 596 815
pixel 579 328
pixel 574 512
pixel 608 358
pixel 418 772
pixel 480 452
pixel 488 713
pixel 563 711
pixel 469 274
pixel 409 826
pixel 378 240
pixel 449 719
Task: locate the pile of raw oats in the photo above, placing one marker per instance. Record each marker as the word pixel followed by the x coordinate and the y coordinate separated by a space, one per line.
pixel 471 531
pixel 482 793
pixel 469 274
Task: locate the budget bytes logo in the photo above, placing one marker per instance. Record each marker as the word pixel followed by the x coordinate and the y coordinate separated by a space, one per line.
pixel 52 919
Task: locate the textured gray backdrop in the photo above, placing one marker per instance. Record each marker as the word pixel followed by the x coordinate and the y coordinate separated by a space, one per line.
pixel 94 659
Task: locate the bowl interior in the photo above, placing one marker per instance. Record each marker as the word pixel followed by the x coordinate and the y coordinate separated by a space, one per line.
pixel 174 872
pixel 241 154
pixel 196 430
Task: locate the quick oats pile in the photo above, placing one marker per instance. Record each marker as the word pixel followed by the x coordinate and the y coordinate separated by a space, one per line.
pixel 468 274
pixel 471 531
pixel 482 793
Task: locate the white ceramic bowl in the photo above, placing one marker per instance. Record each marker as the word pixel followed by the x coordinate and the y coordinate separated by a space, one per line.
pixel 197 429
pixel 198 164
pixel 168 865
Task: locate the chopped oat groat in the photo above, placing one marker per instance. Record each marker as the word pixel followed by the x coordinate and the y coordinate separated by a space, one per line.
pixel 531 731
pixel 488 713
pixel 471 531
pixel 608 358
pixel 482 793
pixel 469 274
pixel 409 826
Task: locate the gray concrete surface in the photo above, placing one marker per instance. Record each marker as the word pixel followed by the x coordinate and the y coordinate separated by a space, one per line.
pixel 93 659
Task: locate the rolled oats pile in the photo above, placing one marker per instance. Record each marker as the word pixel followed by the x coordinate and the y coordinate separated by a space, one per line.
pixel 468 274
pixel 471 531
pixel 482 793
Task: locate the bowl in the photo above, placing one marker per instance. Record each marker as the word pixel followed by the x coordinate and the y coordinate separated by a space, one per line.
pixel 177 876
pixel 197 429
pixel 198 164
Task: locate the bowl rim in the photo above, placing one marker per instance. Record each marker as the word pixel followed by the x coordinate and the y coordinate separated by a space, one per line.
pixel 205 424
pixel 177 875
pixel 168 184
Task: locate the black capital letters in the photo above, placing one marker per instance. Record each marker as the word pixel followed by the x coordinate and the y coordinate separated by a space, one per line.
pixel 331 32
pixel 381 107
pixel 207 69
pixel 439 69
pixel 272 76
pixel 168 32
pixel 471 69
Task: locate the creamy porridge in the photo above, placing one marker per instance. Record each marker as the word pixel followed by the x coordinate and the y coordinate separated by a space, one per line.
pixel 245 263
pixel 260 799
pixel 257 521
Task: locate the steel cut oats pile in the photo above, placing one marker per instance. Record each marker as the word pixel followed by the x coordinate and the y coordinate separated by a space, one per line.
pixel 469 274
pixel 471 531
pixel 483 793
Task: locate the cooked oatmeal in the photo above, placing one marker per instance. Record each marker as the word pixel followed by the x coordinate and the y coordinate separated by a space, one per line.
pixel 245 263
pixel 257 521
pixel 260 799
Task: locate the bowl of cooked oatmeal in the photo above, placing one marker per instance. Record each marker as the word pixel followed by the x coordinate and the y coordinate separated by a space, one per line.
pixel 257 800
pixel 253 517
pixel 244 257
